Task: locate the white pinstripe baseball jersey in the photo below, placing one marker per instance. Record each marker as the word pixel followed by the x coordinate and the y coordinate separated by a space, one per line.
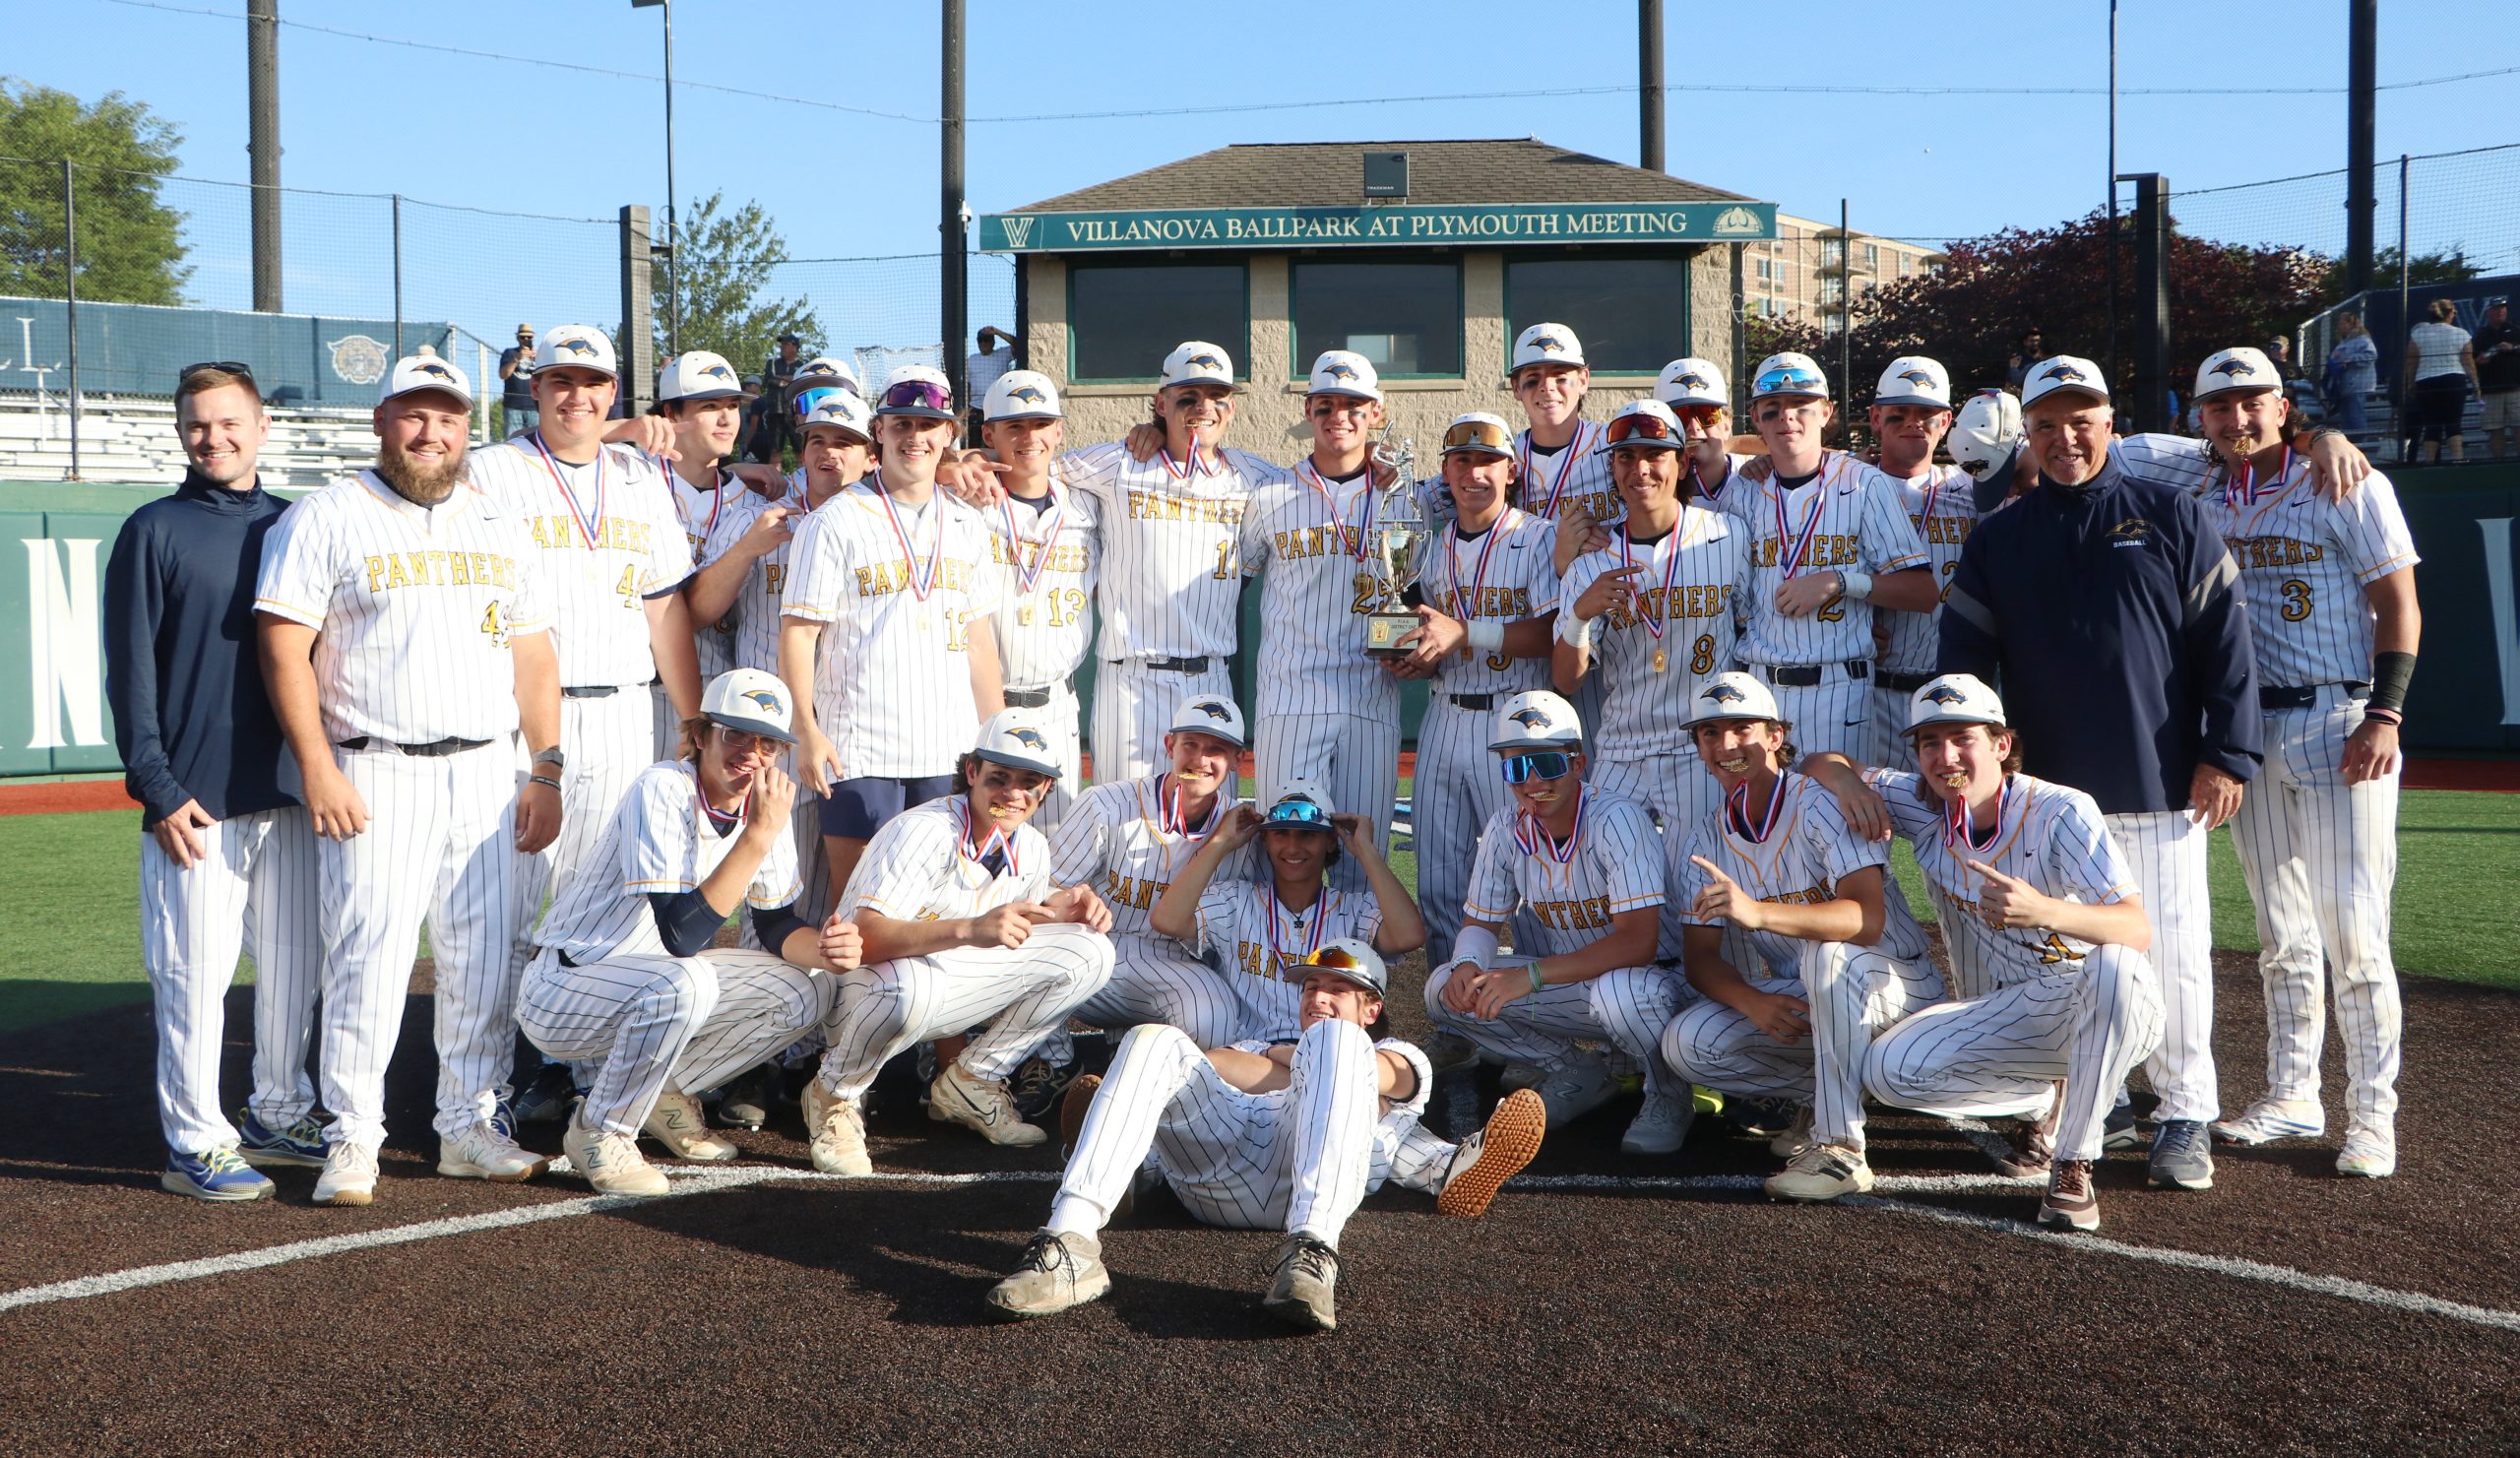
pixel 1568 892
pixel 660 841
pixel 925 865
pixel 1578 475
pixel 1171 584
pixel 2305 562
pixel 1849 516
pixel 1505 574
pixel 1943 506
pixel 759 602
pixel 2048 835
pixel 412 609
pixel 1051 556
pixel 893 587
pixel 701 513
pixel 1692 586
pixel 1120 838
pixel 699 510
pixel 1806 853
pixel 610 541
pixel 1305 537
pixel 2181 461
pixel 1243 926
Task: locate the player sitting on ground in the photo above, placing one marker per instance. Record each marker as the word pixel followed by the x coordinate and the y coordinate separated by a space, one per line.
pixel 962 928
pixel 1289 1135
pixel 1260 926
pixel 2046 939
pixel 626 979
pixel 1586 872
pixel 1793 933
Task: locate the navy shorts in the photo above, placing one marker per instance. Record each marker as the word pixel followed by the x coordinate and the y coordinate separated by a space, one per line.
pixel 855 808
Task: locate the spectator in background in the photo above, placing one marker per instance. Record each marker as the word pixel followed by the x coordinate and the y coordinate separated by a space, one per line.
pixel 774 417
pixel 982 370
pixel 2352 374
pixel 2440 366
pixel 2025 351
pixel 2279 352
pixel 751 427
pixel 516 370
pixel 2497 350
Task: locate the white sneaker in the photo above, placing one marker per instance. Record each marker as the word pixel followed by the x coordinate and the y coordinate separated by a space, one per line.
pixel 1793 1140
pixel 677 1124
pixel 1822 1172
pixel 1661 1126
pixel 983 1106
pixel 1576 1090
pixel 2370 1151
pixel 483 1153
pixel 349 1174
pixel 2270 1120
pixel 838 1129
pixel 610 1161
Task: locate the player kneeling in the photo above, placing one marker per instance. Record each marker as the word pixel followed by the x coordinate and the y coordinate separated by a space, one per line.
pixel 962 928
pixel 1290 1136
pixel 2047 942
pixel 1795 933
pixel 625 977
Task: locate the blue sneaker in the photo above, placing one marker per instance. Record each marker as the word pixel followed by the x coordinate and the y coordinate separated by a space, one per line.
pixel 215 1175
pixel 301 1143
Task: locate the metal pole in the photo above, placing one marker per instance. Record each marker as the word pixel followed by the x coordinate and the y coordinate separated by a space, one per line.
pixel 2117 370
pixel 638 306
pixel 70 298
pixel 398 276
pixel 1846 307
pixel 2362 112
pixel 957 304
pixel 673 240
pixel 2406 320
pixel 2152 302
pixel 261 102
pixel 1649 85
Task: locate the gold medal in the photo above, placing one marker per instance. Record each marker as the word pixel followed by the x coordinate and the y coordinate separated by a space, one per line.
pixel 1024 616
pixel 1662 660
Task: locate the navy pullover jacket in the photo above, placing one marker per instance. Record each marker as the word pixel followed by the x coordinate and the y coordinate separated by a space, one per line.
pixel 192 719
pixel 2108 616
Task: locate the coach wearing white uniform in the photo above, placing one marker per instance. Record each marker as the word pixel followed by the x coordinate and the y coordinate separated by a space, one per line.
pixel 1050 547
pixel 405 632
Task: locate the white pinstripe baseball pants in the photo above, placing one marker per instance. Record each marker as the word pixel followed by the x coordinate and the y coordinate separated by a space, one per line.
pixel 439 847
pixel 1680 794
pixel 1997 1055
pixel 1021 993
pixel 1133 709
pixel 643 1020
pixel 1628 1006
pixel 1835 714
pixel 1155 981
pixel 2321 858
pixel 1297 1158
pixel 1853 992
pixel 1891 746
pixel 607 741
pixel 1457 786
pixel 254 888
pixel 1355 759
pixel 2165 855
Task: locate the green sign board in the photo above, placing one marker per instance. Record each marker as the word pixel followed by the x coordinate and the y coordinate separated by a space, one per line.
pixel 1398 225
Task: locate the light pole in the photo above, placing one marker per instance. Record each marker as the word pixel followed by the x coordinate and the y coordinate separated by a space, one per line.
pixel 672 255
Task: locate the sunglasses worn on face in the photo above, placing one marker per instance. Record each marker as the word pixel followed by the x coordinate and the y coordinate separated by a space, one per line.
pixel 1298 815
pixel 1641 427
pixel 1547 764
pixel 919 395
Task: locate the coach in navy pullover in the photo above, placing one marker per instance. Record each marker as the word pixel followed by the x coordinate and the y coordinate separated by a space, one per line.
pixel 2111 612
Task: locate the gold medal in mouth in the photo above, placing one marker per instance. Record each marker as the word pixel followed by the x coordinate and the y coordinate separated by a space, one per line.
pixel 1956 780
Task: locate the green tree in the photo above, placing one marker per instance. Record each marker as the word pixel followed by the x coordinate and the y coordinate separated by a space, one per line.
pixel 725 262
pixel 131 249
pixel 2448 266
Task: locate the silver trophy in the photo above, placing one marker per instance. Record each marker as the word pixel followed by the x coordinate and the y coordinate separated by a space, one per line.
pixel 1397 543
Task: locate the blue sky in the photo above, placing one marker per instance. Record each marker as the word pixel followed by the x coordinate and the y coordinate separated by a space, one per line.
pixel 358 116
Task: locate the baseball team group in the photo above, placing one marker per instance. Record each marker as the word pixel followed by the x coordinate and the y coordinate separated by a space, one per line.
pixel 573 701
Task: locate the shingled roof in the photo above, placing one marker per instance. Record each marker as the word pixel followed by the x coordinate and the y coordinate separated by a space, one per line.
pixel 1330 174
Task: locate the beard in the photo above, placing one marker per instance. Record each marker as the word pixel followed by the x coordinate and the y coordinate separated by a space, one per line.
pixel 420 486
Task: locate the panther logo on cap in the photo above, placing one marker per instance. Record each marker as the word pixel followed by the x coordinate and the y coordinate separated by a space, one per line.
pixel 1725 693
pixel 1694 381
pixel 1530 719
pixel 1548 344
pixel 1029 395
pixel 1212 709
pixel 819 369
pixel 1028 739
pixel 433 371
pixel 2235 368
pixel 1944 693
pixel 1204 362
pixel 575 347
pixel 718 372
pixel 1916 377
pixel 2066 372
pixel 768 701
pixel 1338 370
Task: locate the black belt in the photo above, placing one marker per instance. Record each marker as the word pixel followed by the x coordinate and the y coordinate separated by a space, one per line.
pixel 1807 676
pixel 2271 699
pixel 1172 666
pixel 1473 701
pixel 434 749
pixel 1027 698
pixel 591 691
pixel 1906 684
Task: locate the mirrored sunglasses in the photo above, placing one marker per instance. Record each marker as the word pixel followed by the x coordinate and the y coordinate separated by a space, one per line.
pixel 1298 813
pixel 919 395
pixel 1547 764
pixel 1338 958
pixel 1478 435
pixel 1642 427
pixel 1790 379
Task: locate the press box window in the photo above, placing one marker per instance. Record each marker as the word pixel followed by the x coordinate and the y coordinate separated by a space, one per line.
pixel 1403 315
pixel 1631 313
pixel 1124 318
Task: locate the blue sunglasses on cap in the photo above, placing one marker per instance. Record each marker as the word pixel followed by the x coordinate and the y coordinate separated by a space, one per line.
pixel 1301 814
pixel 1547 764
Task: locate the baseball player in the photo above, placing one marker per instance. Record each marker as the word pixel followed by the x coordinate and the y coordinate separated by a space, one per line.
pixel 1288 1135
pixel 2334 621
pixel 1133 839
pixel 1828 546
pixel 1253 928
pixel 962 926
pixel 1484 630
pixel 1655 611
pixel 405 628
pixel 887 642
pixel 1562 466
pixel 1702 403
pixel 700 396
pixel 625 977
pixel 1047 543
pixel 227 856
pixel 1795 932
pixel 1910 414
pixel 1583 870
pixel 2047 937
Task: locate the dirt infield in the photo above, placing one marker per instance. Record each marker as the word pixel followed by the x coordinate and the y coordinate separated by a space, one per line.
pixel 1604 1303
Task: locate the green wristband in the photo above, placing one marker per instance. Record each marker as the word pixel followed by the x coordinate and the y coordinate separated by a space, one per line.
pixel 1536 978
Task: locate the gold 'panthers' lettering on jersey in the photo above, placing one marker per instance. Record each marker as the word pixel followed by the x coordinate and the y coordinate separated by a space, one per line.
pixel 1148 506
pixel 1698 600
pixel 1314 541
pixel 1067 558
pixel 439 569
pixel 2274 551
pixel 1255 957
pixel 1590 913
pixel 1508 604
pixel 880 579
pixel 1833 550
pixel 614 533
pixel 1136 893
pixel 1807 896
pixel 1943 530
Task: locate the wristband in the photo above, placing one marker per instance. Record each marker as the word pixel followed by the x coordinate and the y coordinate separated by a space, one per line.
pixel 2389 717
pixel 1573 631
pixel 1854 585
pixel 1475 944
pixel 1536 983
pixel 543 780
pixel 2391 672
pixel 1487 637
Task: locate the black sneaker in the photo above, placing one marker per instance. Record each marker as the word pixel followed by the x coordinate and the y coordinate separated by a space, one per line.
pixel 1038 1085
pixel 544 1099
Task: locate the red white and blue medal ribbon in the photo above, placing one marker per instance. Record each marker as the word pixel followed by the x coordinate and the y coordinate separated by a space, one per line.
pixel 1025 577
pixel 1353 545
pixel 1670 572
pixel 1182 471
pixel 970 849
pixel 1170 819
pixel 2240 491
pixel 1957 832
pixel 1737 808
pixel 922 584
pixel 1533 840
pixel 1792 545
pixel 1566 459
pixel 1934 493
pixel 592 529
pixel 1467 609
pixel 1312 942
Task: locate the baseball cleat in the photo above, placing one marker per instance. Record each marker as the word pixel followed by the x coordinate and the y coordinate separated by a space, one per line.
pixel 2370 1151
pixel 612 1162
pixel 2182 1156
pixel 1795 1138
pixel 1073 1106
pixel 677 1124
pixel 349 1174
pixel 1704 1099
pixel 1060 1270
pixel 1520 1076
pixel 746 1101
pixel 1300 1293
pixel 1494 1154
pixel 1576 1090
pixel 982 1106
pixel 1822 1172
pixel 544 1099
pixel 2030 1145
pixel 838 1129
pixel 218 1175
pixel 2071 1204
pixel 1038 1084
pixel 2270 1120
pixel 1661 1126
pixel 483 1153
pixel 301 1143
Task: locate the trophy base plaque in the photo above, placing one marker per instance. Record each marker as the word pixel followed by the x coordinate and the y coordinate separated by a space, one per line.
pixel 1384 630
